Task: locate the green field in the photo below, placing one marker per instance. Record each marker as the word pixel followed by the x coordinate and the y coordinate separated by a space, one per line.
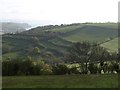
pixel 67 28
pixel 62 38
pixel 110 25
pixel 91 34
pixel 112 45
pixel 62 81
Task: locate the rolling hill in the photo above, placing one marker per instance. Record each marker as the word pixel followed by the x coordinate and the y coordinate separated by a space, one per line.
pixel 58 39
pixel 91 33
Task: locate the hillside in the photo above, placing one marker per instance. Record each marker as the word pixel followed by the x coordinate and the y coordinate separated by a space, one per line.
pixel 111 45
pixel 57 39
pixel 10 27
pixel 91 33
pixel 98 32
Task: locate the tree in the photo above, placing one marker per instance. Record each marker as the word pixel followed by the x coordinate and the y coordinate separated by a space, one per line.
pixel 92 68
pixel 79 53
pixel 86 52
pixel 118 55
pixel 60 69
pixel 38 66
pixel 36 50
pixel 50 58
pixel 99 53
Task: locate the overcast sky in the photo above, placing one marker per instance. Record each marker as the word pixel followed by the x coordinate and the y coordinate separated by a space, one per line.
pixel 59 11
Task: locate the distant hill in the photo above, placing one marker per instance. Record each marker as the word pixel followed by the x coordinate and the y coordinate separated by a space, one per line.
pixel 10 27
pixel 57 39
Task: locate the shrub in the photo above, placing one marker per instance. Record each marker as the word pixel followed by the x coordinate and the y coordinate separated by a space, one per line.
pixel 60 69
pixel 73 70
pixel 93 68
pixel 115 67
pixel 46 70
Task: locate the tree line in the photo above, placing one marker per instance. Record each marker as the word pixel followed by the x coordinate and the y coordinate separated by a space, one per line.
pixel 90 57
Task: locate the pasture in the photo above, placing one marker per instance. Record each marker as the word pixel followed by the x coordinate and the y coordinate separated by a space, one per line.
pixel 21 45
pixel 61 81
pixel 112 45
pixel 91 34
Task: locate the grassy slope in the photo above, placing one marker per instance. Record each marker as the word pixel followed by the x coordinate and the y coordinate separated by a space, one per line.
pixel 19 46
pixel 88 32
pixel 112 45
pixel 17 43
pixel 74 33
pixel 91 33
pixel 61 81
pixel 110 25
pixel 67 28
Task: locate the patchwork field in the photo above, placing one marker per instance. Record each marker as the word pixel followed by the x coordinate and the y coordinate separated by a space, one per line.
pixel 58 39
pixel 91 34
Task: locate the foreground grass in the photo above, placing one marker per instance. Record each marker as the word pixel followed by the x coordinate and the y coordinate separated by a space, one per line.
pixel 61 81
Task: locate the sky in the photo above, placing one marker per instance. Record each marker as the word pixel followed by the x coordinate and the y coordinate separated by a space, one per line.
pixel 59 11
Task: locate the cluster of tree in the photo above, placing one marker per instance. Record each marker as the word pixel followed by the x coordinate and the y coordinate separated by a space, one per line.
pixel 31 67
pixel 39 67
pixel 90 56
pixel 93 68
pixel 25 67
pixel 87 54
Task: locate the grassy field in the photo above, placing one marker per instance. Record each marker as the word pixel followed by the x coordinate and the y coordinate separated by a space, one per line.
pixel 59 45
pixel 110 25
pixel 67 28
pixel 61 81
pixel 112 45
pixel 91 34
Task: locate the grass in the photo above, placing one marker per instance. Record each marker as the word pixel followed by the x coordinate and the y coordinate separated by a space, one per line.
pixel 53 46
pixel 83 37
pixel 61 81
pixel 90 33
pixel 17 43
pixel 107 25
pixel 60 44
pixel 61 41
pixel 12 55
pixel 67 28
pixel 18 47
pixel 112 45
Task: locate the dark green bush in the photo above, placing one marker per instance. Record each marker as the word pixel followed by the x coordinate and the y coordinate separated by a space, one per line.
pixel 60 69
pixel 93 68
